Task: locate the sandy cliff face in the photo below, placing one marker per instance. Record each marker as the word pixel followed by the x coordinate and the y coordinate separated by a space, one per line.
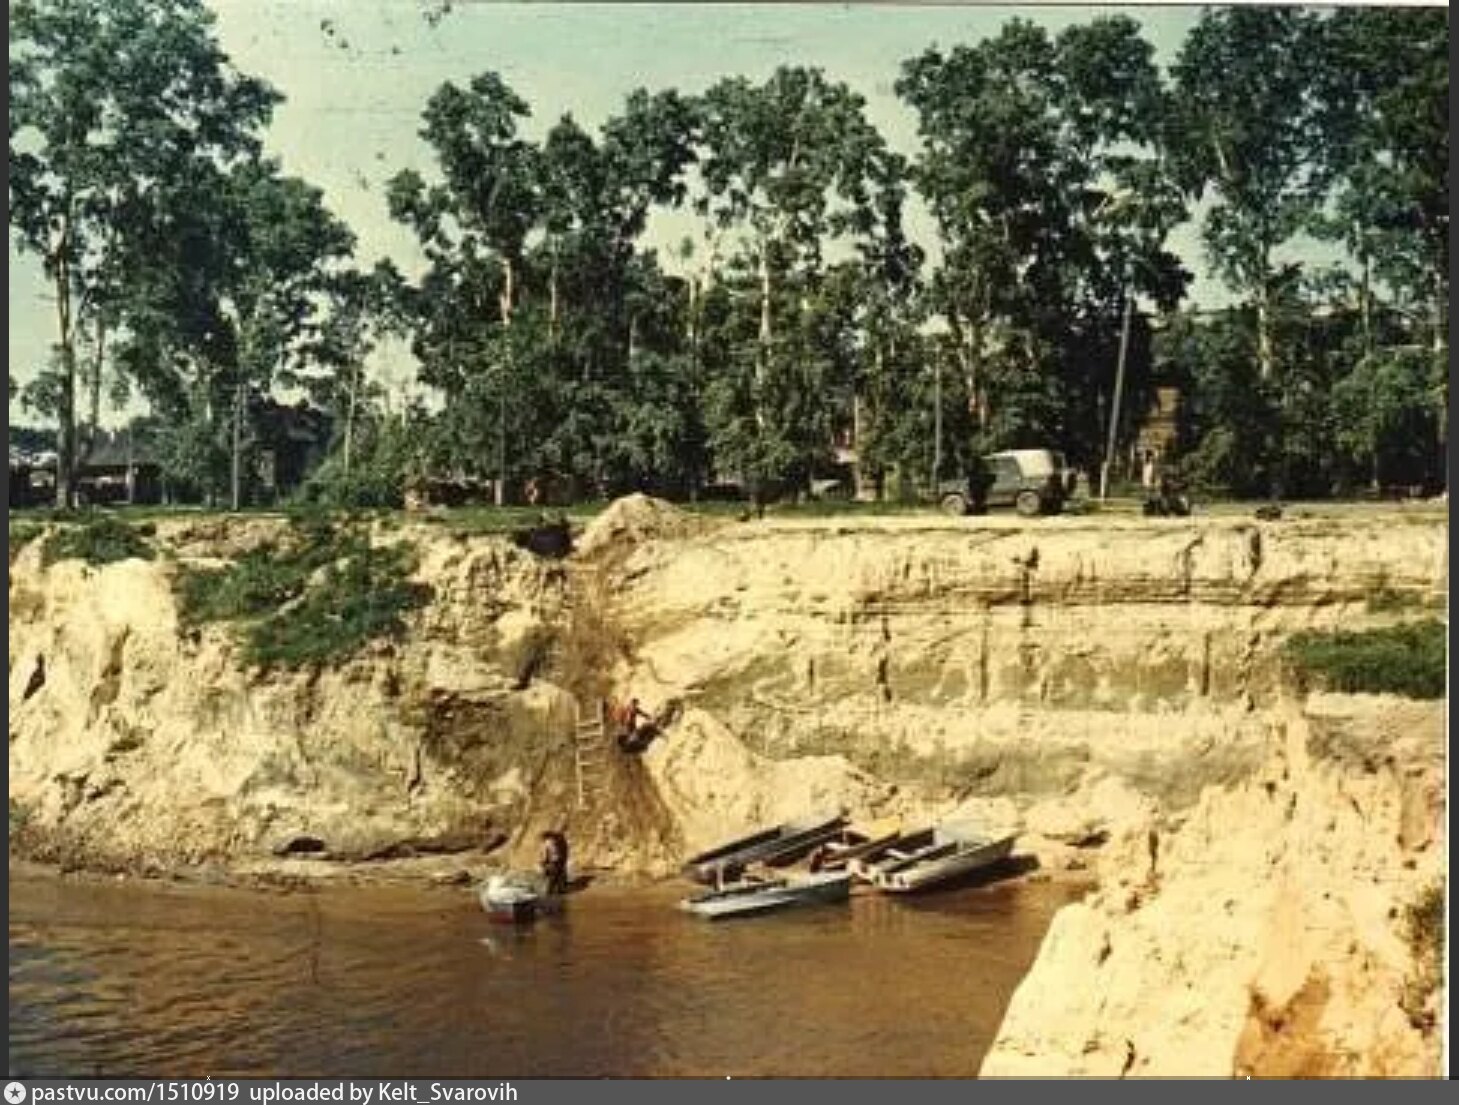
pixel 1267 934
pixel 1063 677
pixel 1104 660
pixel 132 740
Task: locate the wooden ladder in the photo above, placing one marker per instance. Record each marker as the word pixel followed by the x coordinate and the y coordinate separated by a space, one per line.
pixel 591 752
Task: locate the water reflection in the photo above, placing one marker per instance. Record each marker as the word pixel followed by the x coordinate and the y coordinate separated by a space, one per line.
pixel 122 979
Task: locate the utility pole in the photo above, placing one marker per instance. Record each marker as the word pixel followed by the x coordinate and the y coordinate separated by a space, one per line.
pixel 1114 407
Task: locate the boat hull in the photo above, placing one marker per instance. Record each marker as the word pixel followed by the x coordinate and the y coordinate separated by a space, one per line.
pixel 932 858
pixel 778 846
pixel 517 899
pixel 754 899
pixel 521 911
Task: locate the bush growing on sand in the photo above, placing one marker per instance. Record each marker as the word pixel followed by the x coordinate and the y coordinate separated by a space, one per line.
pixel 21 535
pixel 315 598
pixel 1407 659
pixel 264 579
pixel 98 541
pixel 363 598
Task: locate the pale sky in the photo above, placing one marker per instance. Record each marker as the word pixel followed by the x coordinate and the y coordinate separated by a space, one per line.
pixel 357 73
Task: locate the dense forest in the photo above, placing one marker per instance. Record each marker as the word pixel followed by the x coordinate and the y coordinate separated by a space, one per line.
pixel 188 268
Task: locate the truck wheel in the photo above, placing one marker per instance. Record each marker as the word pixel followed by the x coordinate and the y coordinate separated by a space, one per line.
pixel 953 504
pixel 1028 503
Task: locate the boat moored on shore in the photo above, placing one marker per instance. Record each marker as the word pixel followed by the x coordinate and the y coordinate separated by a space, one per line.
pixel 756 896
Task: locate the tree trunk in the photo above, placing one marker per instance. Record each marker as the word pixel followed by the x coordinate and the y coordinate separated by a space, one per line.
pixel 1365 305
pixel 1114 407
pixel 1266 356
pixel 349 419
pixel 972 358
pixel 859 469
pixel 508 289
pixel 691 321
pixel 762 359
pixel 1440 314
pixel 1440 350
pixel 936 424
pixel 66 414
pixel 93 383
pixel 66 432
pixel 552 301
pixel 236 482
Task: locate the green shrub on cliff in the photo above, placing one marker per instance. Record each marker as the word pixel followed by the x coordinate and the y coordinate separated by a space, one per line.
pixel 262 580
pixel 21 535
pixel 315 598
pixel 97 541
pixel 356 601
pixel 1408 659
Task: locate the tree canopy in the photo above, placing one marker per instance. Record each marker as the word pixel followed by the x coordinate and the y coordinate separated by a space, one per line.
pixel 799 332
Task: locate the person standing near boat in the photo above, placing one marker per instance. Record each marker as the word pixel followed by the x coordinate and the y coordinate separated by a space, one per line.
pixel 554 861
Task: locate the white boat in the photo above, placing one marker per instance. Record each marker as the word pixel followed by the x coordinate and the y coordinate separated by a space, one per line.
pixel 932 857
pixel 516 899
pixel 762 896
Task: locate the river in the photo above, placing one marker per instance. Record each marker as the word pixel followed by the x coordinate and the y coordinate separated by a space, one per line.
pixel 130 978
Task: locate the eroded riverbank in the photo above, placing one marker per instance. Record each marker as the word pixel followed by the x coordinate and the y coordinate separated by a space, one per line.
pixel 1094 685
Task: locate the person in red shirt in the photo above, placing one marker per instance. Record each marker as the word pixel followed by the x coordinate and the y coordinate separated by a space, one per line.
pixel 626 722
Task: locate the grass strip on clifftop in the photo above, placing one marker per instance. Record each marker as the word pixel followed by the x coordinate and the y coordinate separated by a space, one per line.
pixel 21 535
pixel 315 599
pixel 1407 659
pixel 97 541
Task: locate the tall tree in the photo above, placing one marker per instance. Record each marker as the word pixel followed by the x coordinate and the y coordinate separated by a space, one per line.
pixel 1384 101
pixel 1245 130
pixel 1383 87
pixel 477 218
pixel 786 169
pixel 233 289
pixel 1042 165
pixel 285 264
pixel 109 100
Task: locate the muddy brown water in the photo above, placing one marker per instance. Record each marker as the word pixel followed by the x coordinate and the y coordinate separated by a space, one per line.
pixel 155 979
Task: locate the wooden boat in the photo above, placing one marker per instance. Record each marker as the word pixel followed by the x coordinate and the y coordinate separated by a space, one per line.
pixel 932 857
pixel 778 846
pixel 755 896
